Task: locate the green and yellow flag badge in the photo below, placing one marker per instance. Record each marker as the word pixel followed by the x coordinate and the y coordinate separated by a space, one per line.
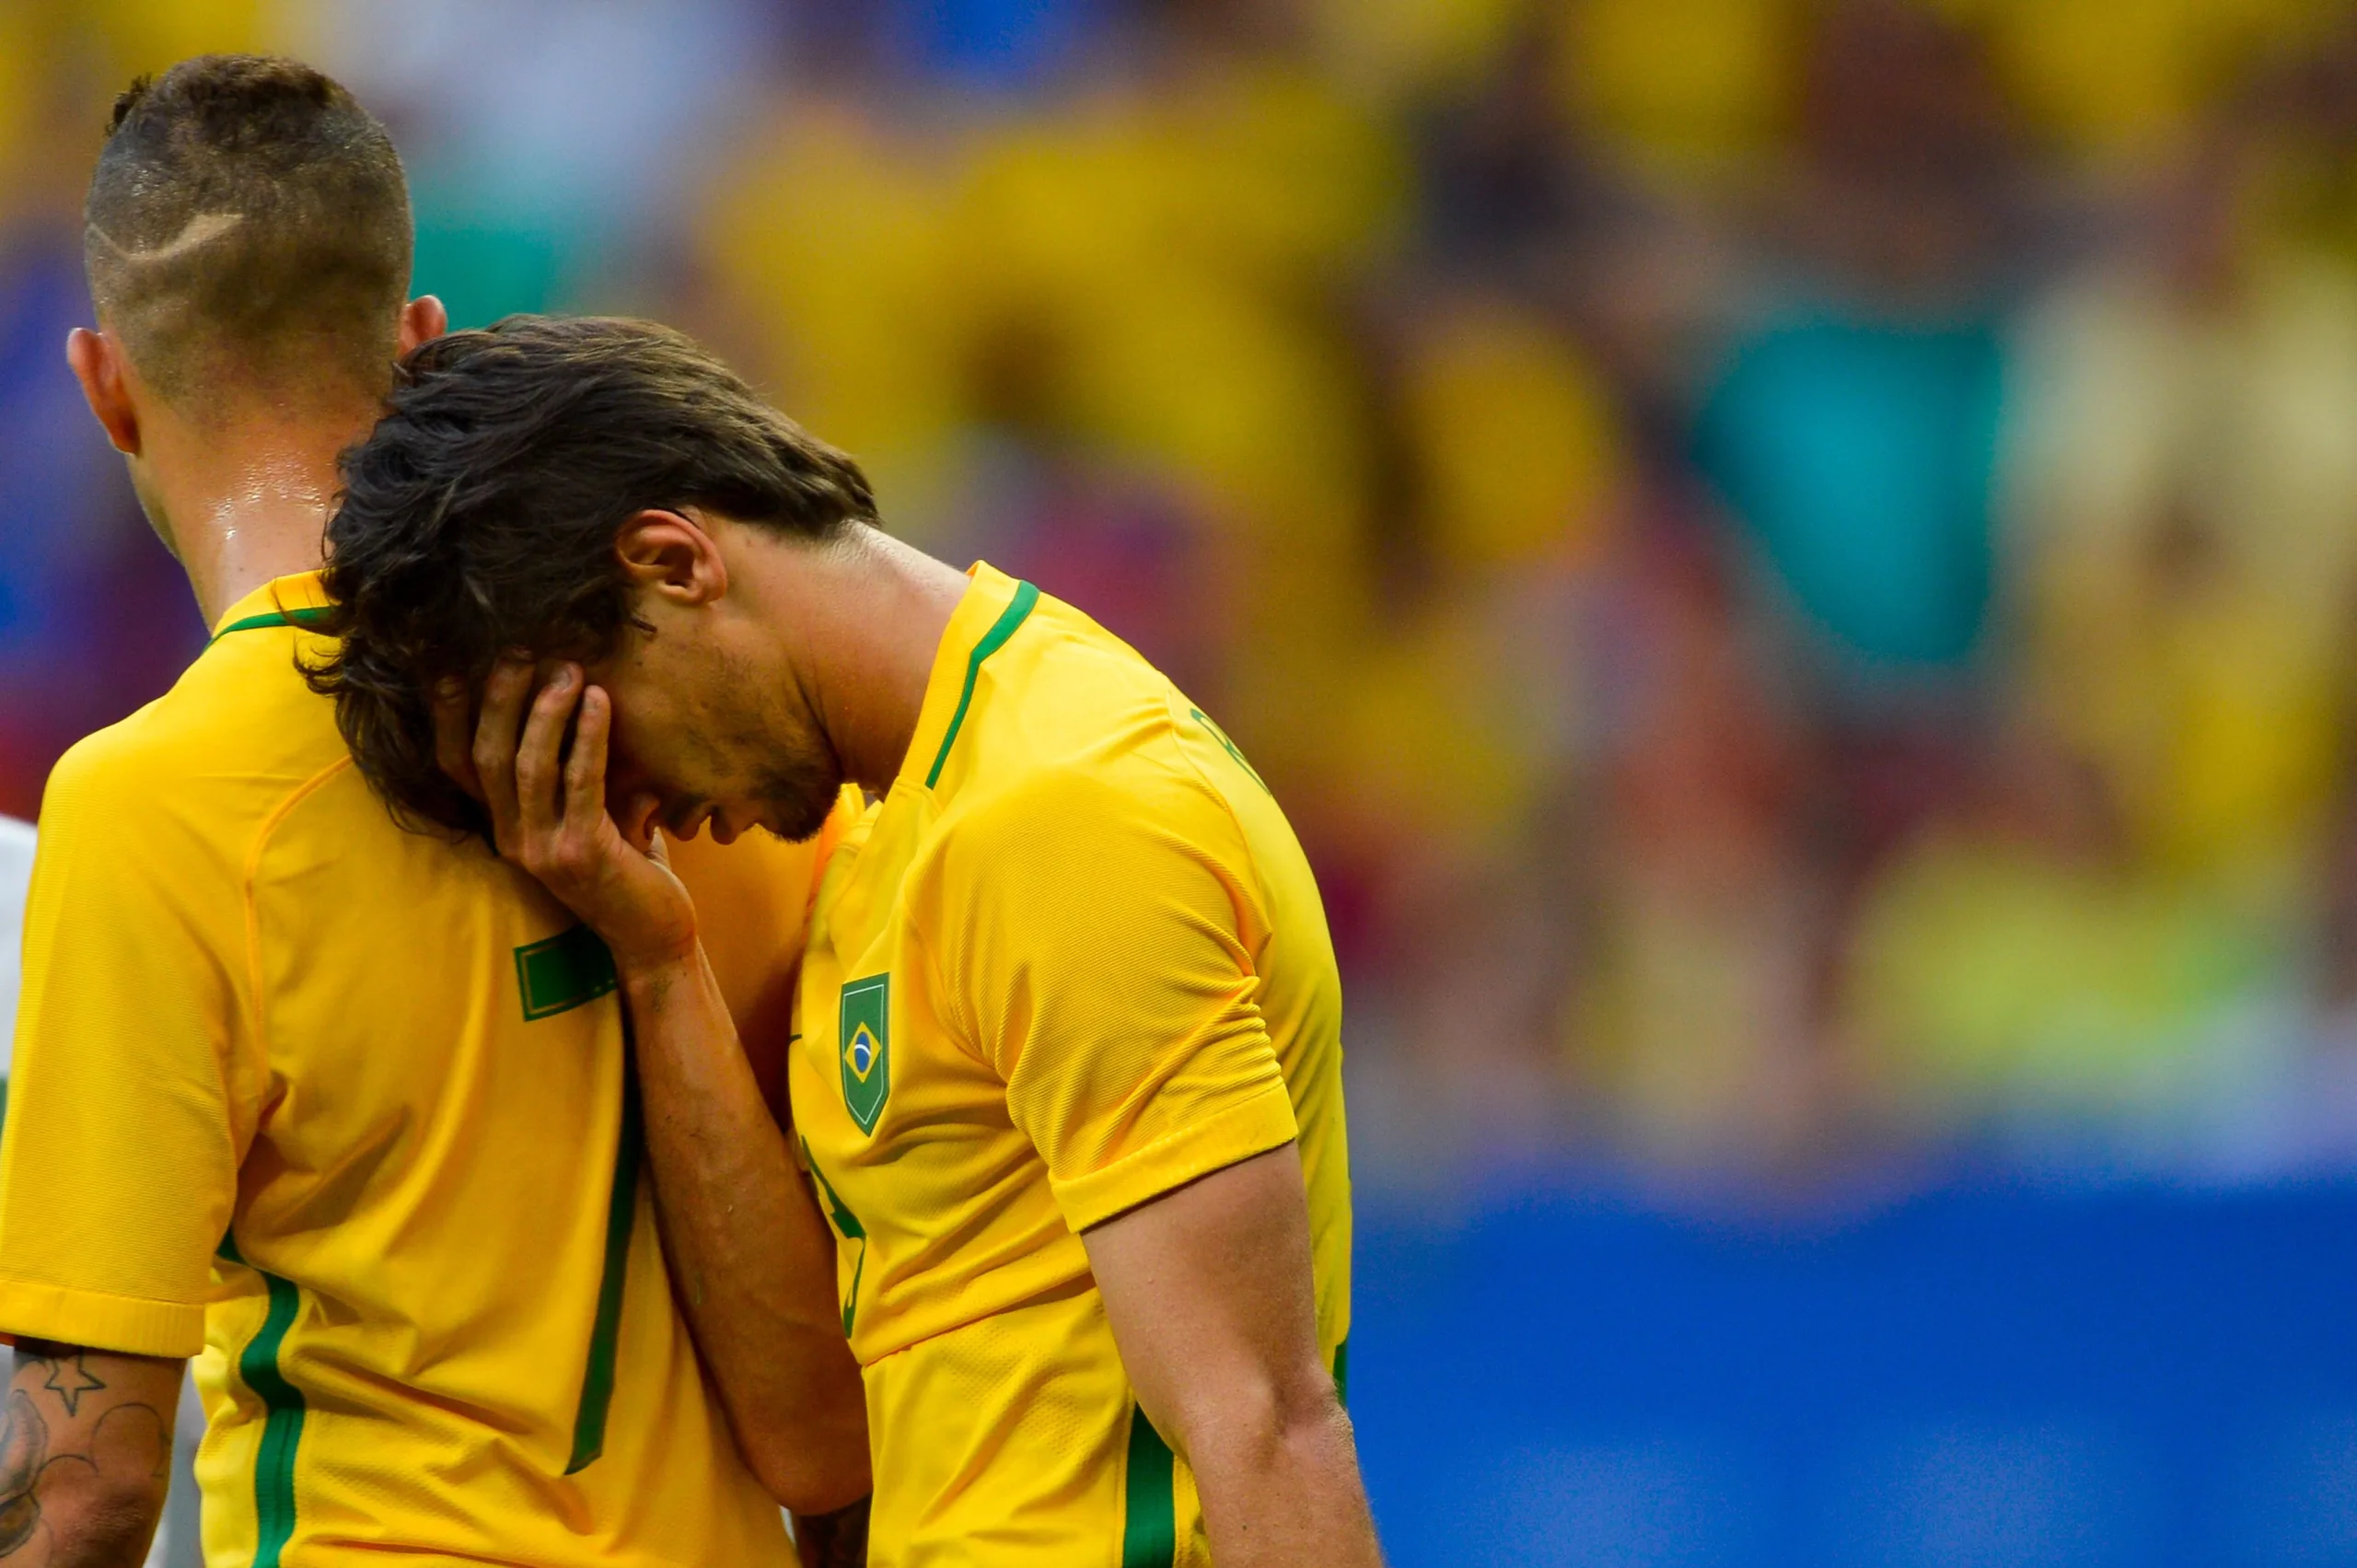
pixel 866 1048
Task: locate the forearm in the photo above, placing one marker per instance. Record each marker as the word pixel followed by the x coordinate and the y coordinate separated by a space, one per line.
pixel 753 1262
pixel 1283 1490
pixel 1212 1299
pixel 86 1447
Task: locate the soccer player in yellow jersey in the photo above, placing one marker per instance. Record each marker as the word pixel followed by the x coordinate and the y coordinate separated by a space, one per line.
pixel 340 1111
pixel 1069 1079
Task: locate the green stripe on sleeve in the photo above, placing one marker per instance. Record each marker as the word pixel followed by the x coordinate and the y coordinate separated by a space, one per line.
pixel 1026 595
pixel 847 1225
pixel 621 1215
pixel 1343 1373
pixel 1149 1499
pixel 281 1431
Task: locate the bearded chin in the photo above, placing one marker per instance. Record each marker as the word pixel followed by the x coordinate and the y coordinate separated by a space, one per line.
pixel 800 796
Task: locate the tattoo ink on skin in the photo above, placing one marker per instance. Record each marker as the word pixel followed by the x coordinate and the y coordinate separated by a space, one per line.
pixel 126 1447
pixel 70 1382
pixel 24 1454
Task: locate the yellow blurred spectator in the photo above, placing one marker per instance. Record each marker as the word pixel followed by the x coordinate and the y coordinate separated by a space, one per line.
pixel 1411 47
pixel 2185 495
pixel 1515 439
pixel 1432 742
pixel 25 61
pixel 835 239
pixel 2123 77
pixel 141 37
pixel 1698 82
pixel 1988 974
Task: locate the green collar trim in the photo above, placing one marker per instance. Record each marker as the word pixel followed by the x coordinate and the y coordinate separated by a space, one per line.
pixel 309 615
pixel 1026 595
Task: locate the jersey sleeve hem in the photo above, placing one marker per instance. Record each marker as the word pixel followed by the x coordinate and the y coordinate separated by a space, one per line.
pixel 1249 1127
pixel 128 1325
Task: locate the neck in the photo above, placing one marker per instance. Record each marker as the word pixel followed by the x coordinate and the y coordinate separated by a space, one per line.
pixel 243 503
pixel 870 620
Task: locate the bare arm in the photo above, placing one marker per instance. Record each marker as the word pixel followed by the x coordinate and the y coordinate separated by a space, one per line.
pixel 751 1259
pixel 86 1454
pixel 1210 1298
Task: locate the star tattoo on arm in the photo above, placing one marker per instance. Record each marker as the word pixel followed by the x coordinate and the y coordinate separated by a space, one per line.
pixel 69 1378
pixel 86 1442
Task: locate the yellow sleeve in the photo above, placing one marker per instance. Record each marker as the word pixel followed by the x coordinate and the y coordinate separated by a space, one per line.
pixel 119 1162
pixel 1097 937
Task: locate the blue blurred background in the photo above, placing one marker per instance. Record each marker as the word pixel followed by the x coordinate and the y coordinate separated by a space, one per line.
pixel 1791 560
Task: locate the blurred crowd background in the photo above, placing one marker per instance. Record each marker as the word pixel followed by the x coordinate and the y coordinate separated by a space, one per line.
pixel 1791 560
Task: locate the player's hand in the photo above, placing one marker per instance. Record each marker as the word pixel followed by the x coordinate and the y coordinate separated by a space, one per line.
pixel 549 815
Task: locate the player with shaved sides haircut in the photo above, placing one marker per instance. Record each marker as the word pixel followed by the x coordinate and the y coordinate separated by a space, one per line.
pixel 346 1108
pixel 248 225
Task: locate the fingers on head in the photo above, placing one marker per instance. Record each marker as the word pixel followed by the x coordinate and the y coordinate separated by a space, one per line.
pixel 586 769
pixel 454 732
pixel 553 703
pixel 589 735
pixel 495 732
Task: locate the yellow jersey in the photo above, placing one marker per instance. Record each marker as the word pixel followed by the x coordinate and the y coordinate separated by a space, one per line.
pixel 1073 960
pixel 344 1111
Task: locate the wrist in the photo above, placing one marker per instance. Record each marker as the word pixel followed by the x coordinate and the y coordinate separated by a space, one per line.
pixel 646 971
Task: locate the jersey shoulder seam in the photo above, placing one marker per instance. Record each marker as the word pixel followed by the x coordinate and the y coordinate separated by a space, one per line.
pixel 1244 840
pixel 951 997
pixel 250 875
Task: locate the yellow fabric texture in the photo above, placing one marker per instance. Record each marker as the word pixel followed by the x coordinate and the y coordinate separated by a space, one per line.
pixel 1104 971
pixel 254 1006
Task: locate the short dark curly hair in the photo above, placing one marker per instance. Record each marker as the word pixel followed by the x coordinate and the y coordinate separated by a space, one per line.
pixel 479 518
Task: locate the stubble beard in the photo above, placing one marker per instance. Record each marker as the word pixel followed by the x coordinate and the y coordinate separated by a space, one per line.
pixel 800 793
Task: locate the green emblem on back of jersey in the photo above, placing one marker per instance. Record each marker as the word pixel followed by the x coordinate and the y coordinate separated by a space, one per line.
pixel 865 1043
pixel 563 972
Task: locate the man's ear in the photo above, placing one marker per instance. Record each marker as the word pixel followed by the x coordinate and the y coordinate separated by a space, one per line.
pixel 98 363
pixel 669 555
pixel 422 320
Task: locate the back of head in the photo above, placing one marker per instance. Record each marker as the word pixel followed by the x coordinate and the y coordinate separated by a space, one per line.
pixel 248 229
pixel 480 515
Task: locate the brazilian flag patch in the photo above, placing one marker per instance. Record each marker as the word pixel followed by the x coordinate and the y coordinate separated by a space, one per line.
pixel 867 1046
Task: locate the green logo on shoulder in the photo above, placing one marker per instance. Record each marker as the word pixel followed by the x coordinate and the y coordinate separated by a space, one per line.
pixel 865 1044
pixel 1228 745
